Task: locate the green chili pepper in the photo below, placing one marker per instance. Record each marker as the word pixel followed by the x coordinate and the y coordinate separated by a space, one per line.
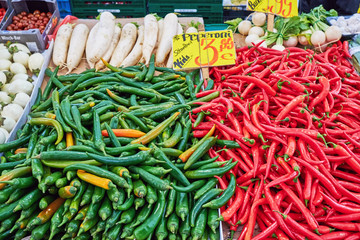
pixel 207 173
pixel 200 151
pixel 205 188
pixel 145 229
pixel 171 200
pixel 198 205
pixel 150 178
pixel 161 231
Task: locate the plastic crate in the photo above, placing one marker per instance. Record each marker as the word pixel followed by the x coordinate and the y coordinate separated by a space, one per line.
pixel 211 12
pixel 64 8
pixel 119 8
pixel 91 14
pixel 32 38
pixel 215 27
pixel 182 8
pixel 4 4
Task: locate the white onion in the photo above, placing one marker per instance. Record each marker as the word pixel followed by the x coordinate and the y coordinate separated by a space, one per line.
pixel 278 47
pixel 263 44
pixel 244 27
pixel 250 39
pixel 259 19
pixel 21 57
pixel 318 38
pixel 291 42
pixel 16 68
pixel 333 33
pixel 257 30
pixel 4 54
pixel 4 64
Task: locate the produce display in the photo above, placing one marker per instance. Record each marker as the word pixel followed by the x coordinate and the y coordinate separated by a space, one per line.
pixel 305 29
pixel 16 84
pixel 26 21
pixel 128 148
pixel 119 45
pixel 107 144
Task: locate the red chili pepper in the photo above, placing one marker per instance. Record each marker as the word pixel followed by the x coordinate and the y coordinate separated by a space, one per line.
pixel 346 49
pixel 231 210
pixel 336 235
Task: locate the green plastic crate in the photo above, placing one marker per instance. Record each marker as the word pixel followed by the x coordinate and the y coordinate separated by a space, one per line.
pixel 133 8
pixel 91 14
pixel 211 13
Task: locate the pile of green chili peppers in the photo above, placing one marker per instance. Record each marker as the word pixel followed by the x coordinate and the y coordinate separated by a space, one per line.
pixel 148 194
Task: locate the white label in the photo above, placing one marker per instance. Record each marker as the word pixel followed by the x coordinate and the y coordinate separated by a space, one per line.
pixel 32 46
pixel 108 10
pixel 185 10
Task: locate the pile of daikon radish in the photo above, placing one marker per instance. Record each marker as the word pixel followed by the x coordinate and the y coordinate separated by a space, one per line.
pixel 119 45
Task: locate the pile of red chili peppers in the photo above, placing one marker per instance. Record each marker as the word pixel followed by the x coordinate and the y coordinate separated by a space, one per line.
pixel 2 13
pixel 293 117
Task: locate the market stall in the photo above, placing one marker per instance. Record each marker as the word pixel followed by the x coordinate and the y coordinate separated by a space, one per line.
pixel 152 128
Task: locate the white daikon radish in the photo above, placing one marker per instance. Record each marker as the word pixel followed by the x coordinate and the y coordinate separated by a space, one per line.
pixel 134 56
pixel 291 42
pixel 36 61
pixel 333 34
pixel 250 39
pixel 151 29
pixel 115 39
pixel 257 30
pixel 16 68
pixel 318 38
pixel 165 45
pixel 21 57
pixel 160 31
pixel 76 46
pixel 19 47
pixel 244 27
pixel 4 54
pixel 4 64
pixel 61 44
pixel 125 45
pixel 90 43
pixel 103 37
pixel 259 19
pixel 170 60
pixel 13 111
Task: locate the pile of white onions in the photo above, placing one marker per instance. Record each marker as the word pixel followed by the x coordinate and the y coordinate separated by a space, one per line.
pixel 15 83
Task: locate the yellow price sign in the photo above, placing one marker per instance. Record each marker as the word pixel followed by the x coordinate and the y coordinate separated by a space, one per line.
pixel 204 49
pixel 284 8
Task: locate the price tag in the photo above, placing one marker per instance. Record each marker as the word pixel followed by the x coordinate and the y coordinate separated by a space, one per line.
pixel 284 8
pixel 204 49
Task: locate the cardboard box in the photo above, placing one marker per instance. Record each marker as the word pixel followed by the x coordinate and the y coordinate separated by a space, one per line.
pixel 34 40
